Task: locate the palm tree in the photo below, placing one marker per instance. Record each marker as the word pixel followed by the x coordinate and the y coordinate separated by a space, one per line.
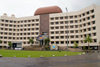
pixel 31 41
pixel 89 40
pixel 10 44
pixel 0 41
pixel 75 45
pixel 47 40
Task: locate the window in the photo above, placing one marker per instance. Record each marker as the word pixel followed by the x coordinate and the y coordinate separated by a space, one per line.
pixel 37 24
pixel 79 15
pixel 92 11
pixel 76 26
pixel 66 36
pixel 66 26
pixel 66 17
pixel 37 19
pixel 61 32
pixel 61 22
pixel 76 36
pixel 71 17
pixel 88 18
pixel 52 42
pixel 56 18
pixel 80 20
pixel 71 26
pixel 52 18
pixel 89 35
pixel 84 30
pixel 57 23
pixel 71 21
pixel 66 22
pixel 76 31
pixel 80 25
pixel 93 22
pixel 57 37
pixel 52 37
pixel 67 42
pixel 95 40
pixel 75 16
pixel 57 42
pixel 52 32
pixel 76 21
pixel 37 28
pixel 88 12
pixel 93 16
pixel 61 17
pixel 57 32
pixel 37 33
pixel 52 27
pixel 83 14
pixel 62 42
pixel 72 42
pixel 32 24
pixel 71 36
pixel 52 23
pixel 83 19
pixel 88 23
pixel 66 31
pixel 33 20
pixel 62 37
pixel 71 31
pixel 6 20
pixel 61 27
pixel 94 28
pixel 25 21
pixel 57 27
pixel 84 24
pixel 2 20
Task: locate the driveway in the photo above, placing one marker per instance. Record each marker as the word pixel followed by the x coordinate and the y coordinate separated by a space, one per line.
pixel 88 60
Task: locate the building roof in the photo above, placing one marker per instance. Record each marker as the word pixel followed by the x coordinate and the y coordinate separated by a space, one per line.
pixel 48 10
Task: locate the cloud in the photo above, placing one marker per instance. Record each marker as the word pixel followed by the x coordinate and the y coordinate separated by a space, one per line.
pixel 27 7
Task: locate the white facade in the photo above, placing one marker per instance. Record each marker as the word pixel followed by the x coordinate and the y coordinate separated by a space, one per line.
pixel 79 24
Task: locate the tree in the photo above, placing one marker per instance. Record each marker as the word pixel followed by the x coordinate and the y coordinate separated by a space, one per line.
pixel 88 39
pixel 47 47
pixel 47 40
pixel 31 41
pixel 75 45
pixel 0 41
pixel 10 44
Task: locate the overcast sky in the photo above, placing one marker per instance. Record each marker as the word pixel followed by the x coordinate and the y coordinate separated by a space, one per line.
pixel 27 7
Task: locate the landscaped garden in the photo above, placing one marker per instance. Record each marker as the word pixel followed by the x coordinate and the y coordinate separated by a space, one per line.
pixel 22 53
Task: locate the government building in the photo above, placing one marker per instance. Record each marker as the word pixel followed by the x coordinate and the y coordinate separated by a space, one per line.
pixel 62 28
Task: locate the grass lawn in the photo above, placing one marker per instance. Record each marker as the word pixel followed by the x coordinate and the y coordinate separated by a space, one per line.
pixel 22 53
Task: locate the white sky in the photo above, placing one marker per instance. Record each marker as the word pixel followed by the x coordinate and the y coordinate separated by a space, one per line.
pixel 27 7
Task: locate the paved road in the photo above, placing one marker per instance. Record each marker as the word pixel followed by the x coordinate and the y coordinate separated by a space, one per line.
pixel 89 60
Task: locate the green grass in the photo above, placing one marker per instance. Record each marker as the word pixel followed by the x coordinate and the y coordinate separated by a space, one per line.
pixel 22 53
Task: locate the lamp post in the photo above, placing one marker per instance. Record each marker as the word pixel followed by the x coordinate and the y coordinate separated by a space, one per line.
pixel 67 28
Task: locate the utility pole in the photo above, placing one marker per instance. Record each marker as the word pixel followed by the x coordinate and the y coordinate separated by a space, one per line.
pixel 67 28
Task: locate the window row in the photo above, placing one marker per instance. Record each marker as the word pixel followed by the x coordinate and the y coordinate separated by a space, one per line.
pixel 24 25
pixel 73 16
pixel 28 29
pixel 12 21
pixel 73 36
pixel 6 33
pixel 71 42
pixel 71 22
pixel 74 31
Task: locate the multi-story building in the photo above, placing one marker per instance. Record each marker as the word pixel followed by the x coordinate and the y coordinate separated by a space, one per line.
pixel 62 28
